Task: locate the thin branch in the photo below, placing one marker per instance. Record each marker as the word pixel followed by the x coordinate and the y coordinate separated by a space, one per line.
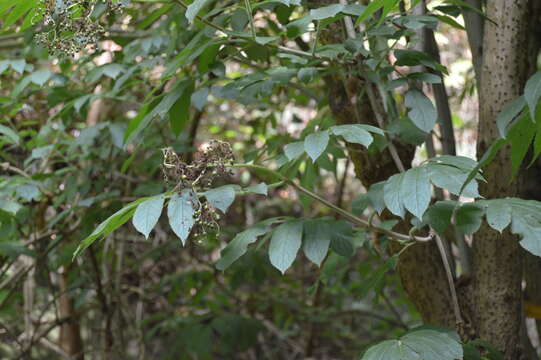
pixel 450 280
pixel 346 214
pixel 250 17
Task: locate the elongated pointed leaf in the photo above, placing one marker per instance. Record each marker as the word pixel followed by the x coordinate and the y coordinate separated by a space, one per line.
pixel 356 134
pixel 509 113
pixel 423 344
pixel 326 12
pixel 147 214
pixel 392 195
pixel 113 222
pixel 498 214
pixel 532 92
pixel 9 135
pixel 285 243
pixel 194 8
pixel 238 246
pixel 316 143
pixel 221 197
pixel 469 217
pixel 422 113
pixel 180 212
pixel 416 191
pixel 294 149
pixel 317 239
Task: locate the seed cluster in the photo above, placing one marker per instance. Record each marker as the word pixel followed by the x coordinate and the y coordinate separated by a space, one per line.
pixel 69 26
pixel 208 165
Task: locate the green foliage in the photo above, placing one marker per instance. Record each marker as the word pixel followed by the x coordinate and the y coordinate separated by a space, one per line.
pixel 177 78
pixel 180 212
pixel 422 344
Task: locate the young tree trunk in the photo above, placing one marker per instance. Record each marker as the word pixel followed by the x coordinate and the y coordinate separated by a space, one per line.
pixel 497 276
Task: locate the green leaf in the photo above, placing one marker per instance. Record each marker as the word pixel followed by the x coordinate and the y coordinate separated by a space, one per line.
pixel 469 217
pixel 41 76
pixel 509 113
pixel 376 196
pixel 285 243
pixel 487 157
pixel 416 191
pixel 422 113
pixel 9 135
pixel 4 64
pixel 194 8
pixel 18 65
pixel 294 150
pixel 261 189
pixel 10 206
pixel 424 344
pixel 221 197
pixel 342 238
pixel 392 195
pixel 112 70
pixel 147 214
pixel 532 92
pixel 359 204
pixel 450 21
pixel 180 212
pixel 374 6
pixel 439 215
pixel 20 9
pixel 109 225
pixel 28 192
pixel 239 245
pixel 179 114
pixel 239 19
pixel 317 238
pixel 520 136
pixel 316 143
pixel 326 12
pixel 355 133
pixel 14 248
pixel 147 113
pixel 307 74
pixel 498 214
pixel 525 220
pixel 451 179
pixel 462 162
pixel 537 141
pixel 199 98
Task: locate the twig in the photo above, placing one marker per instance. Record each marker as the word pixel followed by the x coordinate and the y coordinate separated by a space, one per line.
pixel 314 45
pixel 346 214
pixel 7 166
pixel 450 280
pixel 342 186
pixel 250 17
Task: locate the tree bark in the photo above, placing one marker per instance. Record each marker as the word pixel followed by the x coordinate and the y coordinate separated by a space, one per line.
pixel 497 296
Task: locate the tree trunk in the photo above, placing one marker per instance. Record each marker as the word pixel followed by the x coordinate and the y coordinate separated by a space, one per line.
pixel 497 295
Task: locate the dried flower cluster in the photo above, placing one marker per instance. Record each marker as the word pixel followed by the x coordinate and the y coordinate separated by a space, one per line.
pixel 70 26
pixel 208 165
